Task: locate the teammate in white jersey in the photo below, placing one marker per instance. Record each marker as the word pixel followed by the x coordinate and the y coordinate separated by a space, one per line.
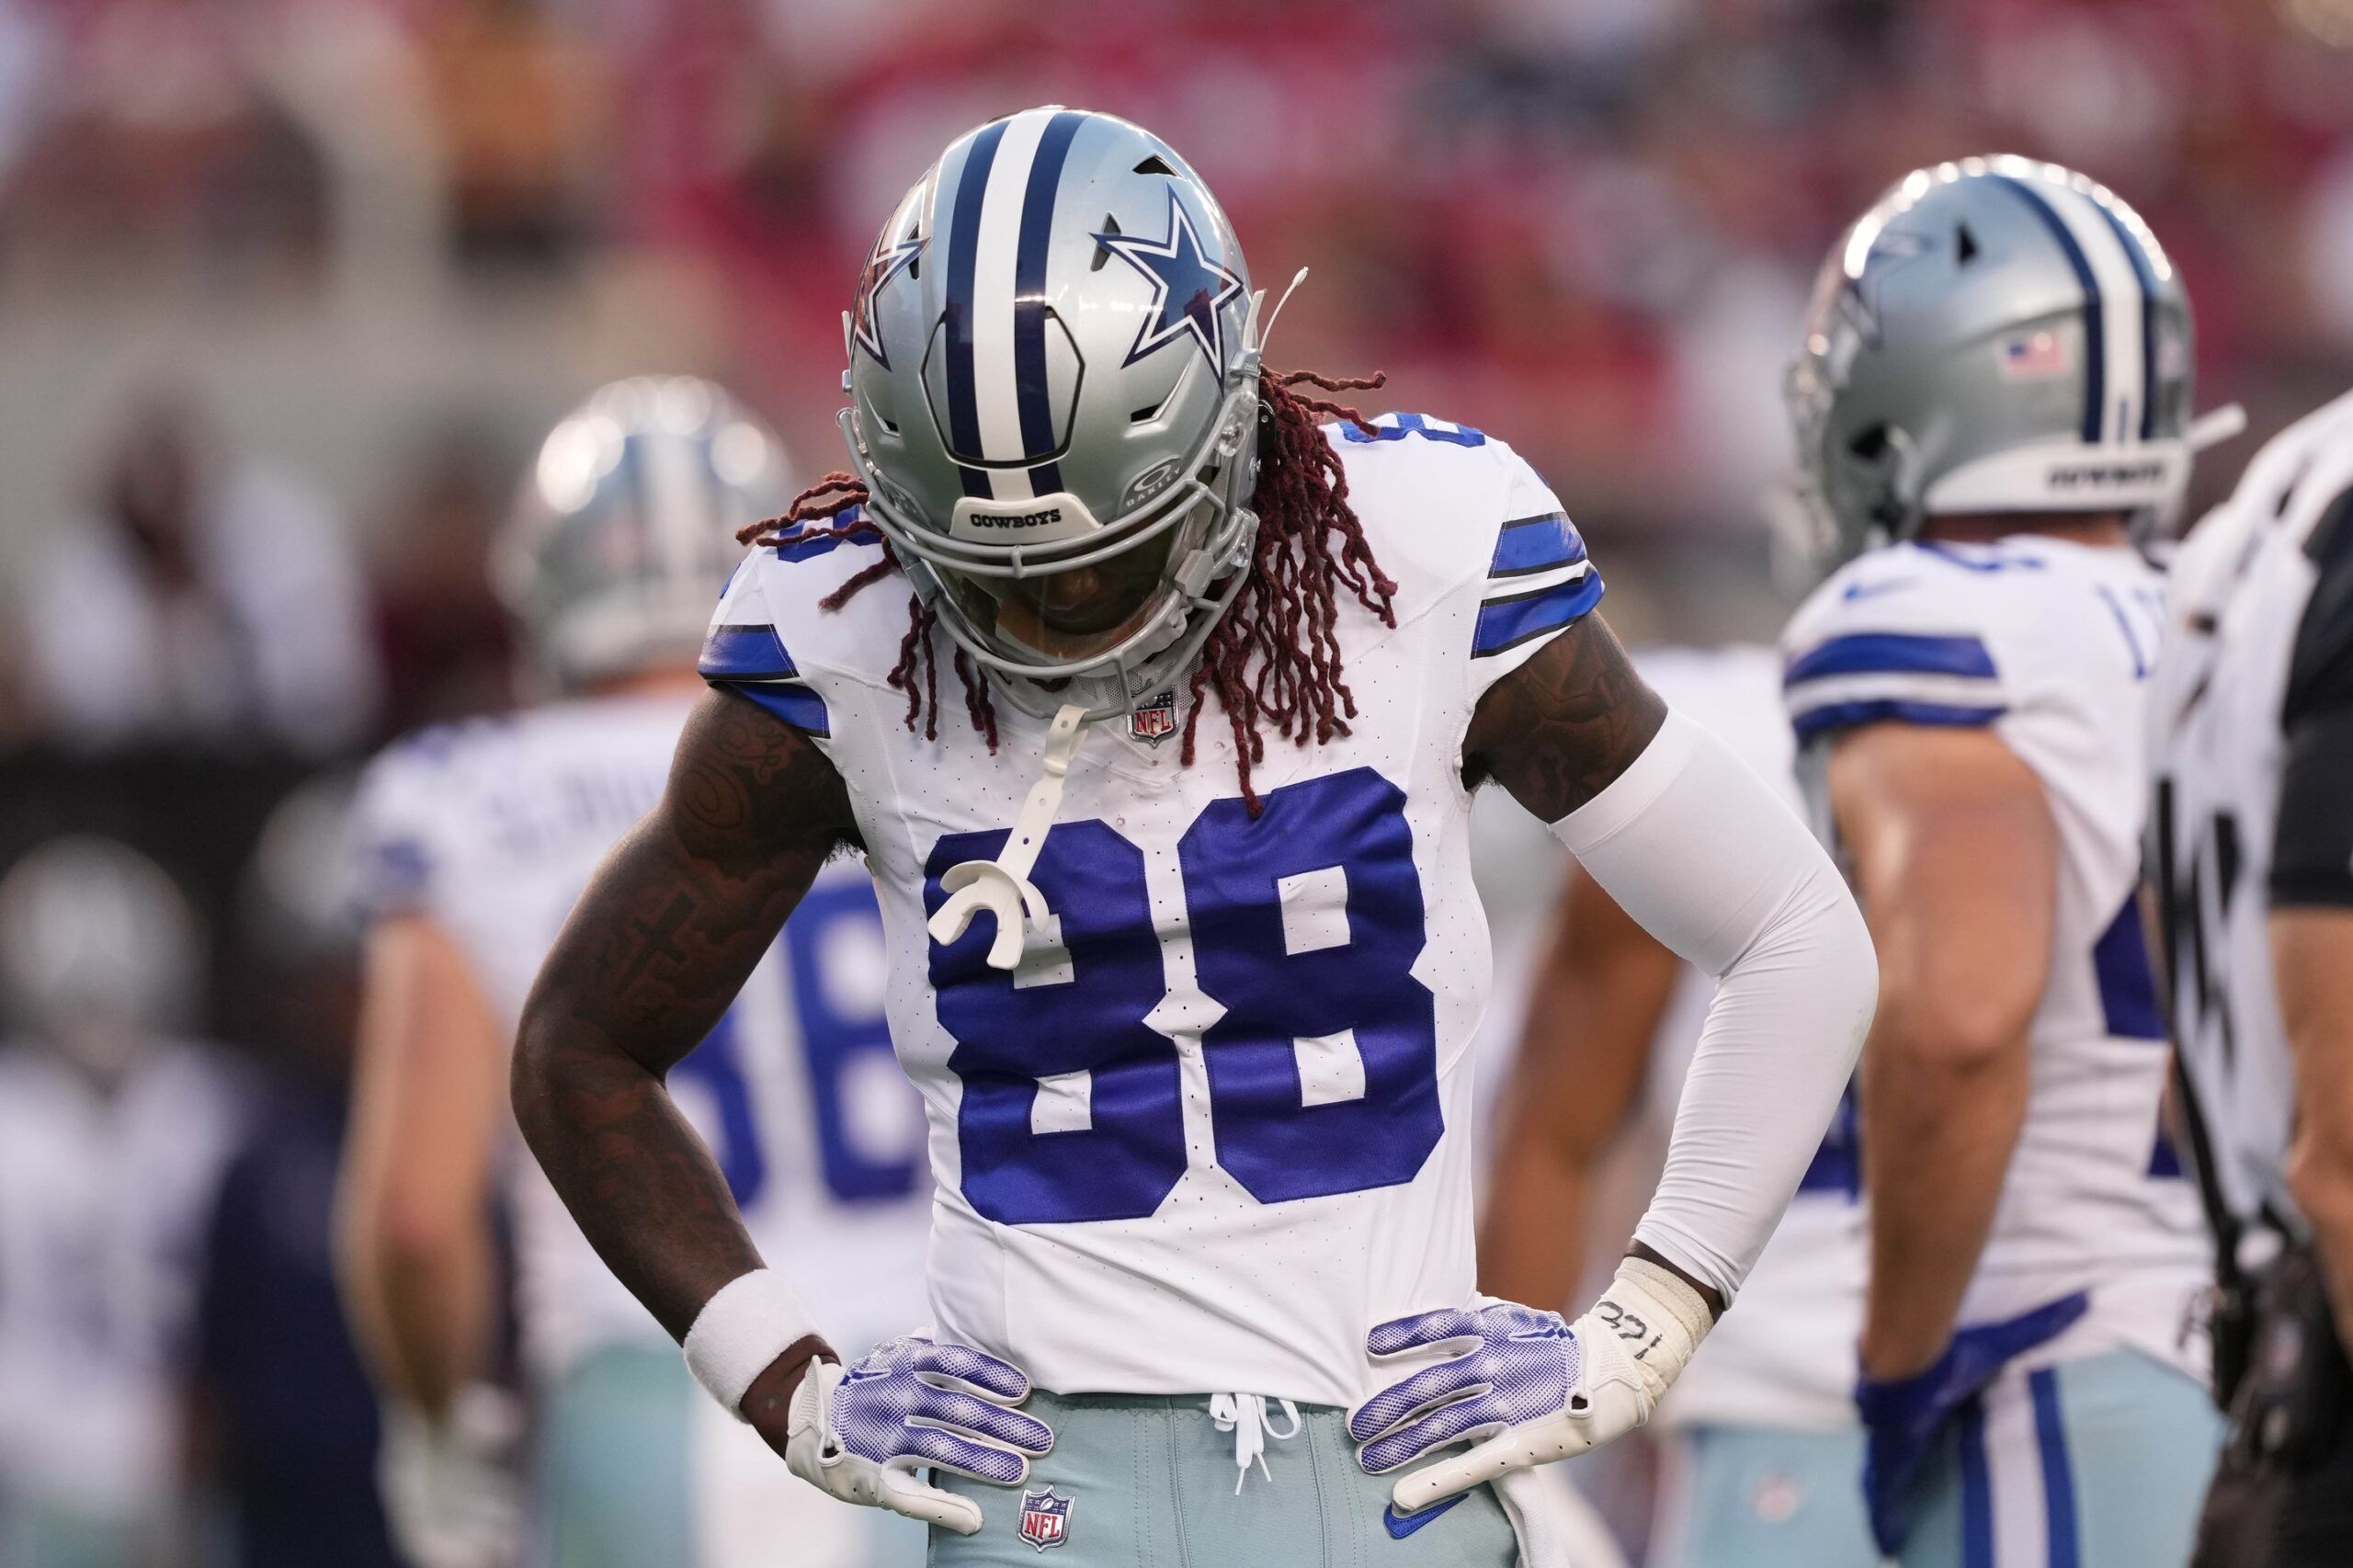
pixel 2252 847
pixel 1764 1446
pixel 1156 709
pixel 1994 391
pixel 115 1128
pixel 480 837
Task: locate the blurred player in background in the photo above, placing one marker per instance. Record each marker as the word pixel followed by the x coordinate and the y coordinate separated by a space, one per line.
pixel 2252 847
pixel 1992 399
pixel 1201 1091
pixel 114 1127
pixel 480 837
pixel 284 1423
pixel 1763 1445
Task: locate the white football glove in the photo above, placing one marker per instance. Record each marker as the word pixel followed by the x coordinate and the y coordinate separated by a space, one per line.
pixel 1524 1386
pixel 452 1493
pixel 860 1432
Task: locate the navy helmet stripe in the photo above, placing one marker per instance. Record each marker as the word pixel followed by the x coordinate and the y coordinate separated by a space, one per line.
pixel 2147 274
pixel 2095 333
pixel 1030 368
pixel 963 253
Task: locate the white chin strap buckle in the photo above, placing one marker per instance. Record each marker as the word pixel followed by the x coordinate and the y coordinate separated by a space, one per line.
pixel 1002 887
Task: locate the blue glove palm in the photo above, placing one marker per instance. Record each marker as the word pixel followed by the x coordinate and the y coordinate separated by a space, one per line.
pixel 860 1432
pixel 1513 1364
pixel 1904 1416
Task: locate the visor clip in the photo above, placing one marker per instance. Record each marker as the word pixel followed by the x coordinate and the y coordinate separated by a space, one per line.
pixel 1002 887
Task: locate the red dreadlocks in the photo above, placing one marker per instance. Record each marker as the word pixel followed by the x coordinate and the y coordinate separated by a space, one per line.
pixel 1274 656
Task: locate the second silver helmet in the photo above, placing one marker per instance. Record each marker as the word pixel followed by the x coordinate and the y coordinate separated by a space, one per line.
pixel 1993 336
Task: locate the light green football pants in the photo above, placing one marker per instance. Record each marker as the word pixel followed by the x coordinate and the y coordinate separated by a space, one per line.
pixel 637 1468
pixel 1757 1497
pixel 1138 1482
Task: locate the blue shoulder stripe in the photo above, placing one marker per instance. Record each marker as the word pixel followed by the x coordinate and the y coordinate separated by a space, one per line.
pixel 1536 545
pixel 1852 715
pixel 745 653
pixel 796 705
pixel 1890 652
pixel 823 535
pixel 1505 623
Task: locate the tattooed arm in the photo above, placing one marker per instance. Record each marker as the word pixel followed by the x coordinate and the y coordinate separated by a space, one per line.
pixel 1558 729
pixel 1705 857
pixel 654 952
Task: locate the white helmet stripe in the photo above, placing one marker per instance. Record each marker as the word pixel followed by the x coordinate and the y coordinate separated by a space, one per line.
pixel 996 388
pixel 2121 316
pixel 667 464
pixel 2144 267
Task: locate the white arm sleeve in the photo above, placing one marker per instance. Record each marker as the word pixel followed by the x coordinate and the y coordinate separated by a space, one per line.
pixel 1701 851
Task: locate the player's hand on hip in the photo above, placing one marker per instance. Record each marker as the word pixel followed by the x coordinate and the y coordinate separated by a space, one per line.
pixel 1522 1385
pixel 860 1432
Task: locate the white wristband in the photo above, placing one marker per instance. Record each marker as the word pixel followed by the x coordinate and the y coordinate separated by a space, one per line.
pixel 1672 1316
pixel 745 1325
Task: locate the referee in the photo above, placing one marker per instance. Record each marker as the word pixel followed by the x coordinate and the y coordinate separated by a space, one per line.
pixel 2251 848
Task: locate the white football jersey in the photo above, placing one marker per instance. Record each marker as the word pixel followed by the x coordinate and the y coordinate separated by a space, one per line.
pixel 492 828
pixel 2242 583
pixel 1785 1357
pixel 2050 644
pixel 105 1200
pixel 1219 1127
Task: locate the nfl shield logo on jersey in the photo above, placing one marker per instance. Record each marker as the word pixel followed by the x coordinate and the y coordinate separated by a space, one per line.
pixel 1045 1519
pixel 1155 719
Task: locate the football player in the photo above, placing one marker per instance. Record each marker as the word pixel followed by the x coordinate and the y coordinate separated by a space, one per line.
pixel 1155 704
pixel 1763 1444
pixel 479 837
pixel 2252 844
pixel 115 1125
pixel 1993 394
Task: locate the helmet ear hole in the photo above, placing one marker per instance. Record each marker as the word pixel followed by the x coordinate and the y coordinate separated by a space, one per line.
pixel 1871 445
pixel 1964 244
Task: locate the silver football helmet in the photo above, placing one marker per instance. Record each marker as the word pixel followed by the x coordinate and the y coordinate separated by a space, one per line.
pixel 624 532
pixel 101 952
pixel 1993 336
pixel 1053 368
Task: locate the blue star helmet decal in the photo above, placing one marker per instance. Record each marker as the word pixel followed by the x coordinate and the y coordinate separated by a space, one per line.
pixel 886 263
pixel 1188 290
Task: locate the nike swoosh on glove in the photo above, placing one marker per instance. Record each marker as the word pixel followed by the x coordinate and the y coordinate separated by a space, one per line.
pixel 860 1432
pixel 1904 1416
pixel 1523 1386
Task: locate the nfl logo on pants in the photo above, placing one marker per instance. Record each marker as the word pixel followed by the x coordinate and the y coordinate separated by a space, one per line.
pixel 1045 1519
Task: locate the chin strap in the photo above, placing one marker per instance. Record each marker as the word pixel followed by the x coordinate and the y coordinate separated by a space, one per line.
pixel 1002 887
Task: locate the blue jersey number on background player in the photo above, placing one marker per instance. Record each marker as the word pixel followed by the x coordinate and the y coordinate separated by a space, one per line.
pixel 1341 994
pixel 834 1043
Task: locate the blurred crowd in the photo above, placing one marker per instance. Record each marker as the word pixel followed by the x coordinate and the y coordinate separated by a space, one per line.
pixel 289 289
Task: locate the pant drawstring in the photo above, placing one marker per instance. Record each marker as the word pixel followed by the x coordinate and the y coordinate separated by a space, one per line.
pixel 1244 1415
